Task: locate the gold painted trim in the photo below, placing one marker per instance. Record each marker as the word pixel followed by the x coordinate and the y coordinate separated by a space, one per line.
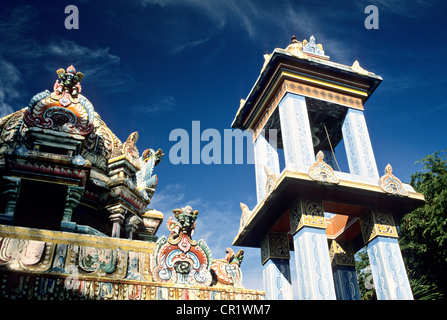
pixel 76 239
pixel 324 83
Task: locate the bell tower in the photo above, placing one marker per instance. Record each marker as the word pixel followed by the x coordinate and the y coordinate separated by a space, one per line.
pixel 304 105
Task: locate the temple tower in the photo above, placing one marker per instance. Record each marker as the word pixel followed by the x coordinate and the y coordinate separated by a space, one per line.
pixel 300 108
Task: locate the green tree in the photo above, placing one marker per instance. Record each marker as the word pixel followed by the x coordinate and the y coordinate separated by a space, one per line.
pixel 364 275
pixel 423 232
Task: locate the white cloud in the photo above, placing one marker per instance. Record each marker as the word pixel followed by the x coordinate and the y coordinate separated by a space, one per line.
pixel 9 81
pixel 406 8
pixel 99 65
pixel 262 22
pixel 167 199
pixel 160 103
pixel 21 52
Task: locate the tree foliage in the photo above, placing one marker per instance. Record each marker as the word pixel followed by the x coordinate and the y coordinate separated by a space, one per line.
pixel 423 232
pixel 364 276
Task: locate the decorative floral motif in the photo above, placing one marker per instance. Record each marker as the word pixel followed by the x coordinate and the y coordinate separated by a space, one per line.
pixel 375 224
pixel 321 171
pixel 391 184
pixel 275 245
pixel 26 255
pixel 92 259
pixel 305 212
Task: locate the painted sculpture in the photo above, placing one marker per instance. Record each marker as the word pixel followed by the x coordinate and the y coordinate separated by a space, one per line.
pixel 181 260
pixel 391 184
pixel 65 109
pixel 227 271
pixel 178 258
pixel 321 171
pixel 149 159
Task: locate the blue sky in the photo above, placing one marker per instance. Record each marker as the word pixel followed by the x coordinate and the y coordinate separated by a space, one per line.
pixel 156 65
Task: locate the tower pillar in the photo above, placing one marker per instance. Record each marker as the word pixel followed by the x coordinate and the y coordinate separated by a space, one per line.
pixel 296 133
pixel 343 270
pixel 313 266
pixel 358 146
pixel 266 158
pixel 275 258
pixel 387 266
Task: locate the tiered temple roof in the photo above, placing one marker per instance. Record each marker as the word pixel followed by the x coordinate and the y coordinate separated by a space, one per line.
pixel 75 221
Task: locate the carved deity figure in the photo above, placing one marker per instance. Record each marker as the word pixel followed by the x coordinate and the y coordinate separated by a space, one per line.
pixel 227 272
pixel 69 88
pixel 185 225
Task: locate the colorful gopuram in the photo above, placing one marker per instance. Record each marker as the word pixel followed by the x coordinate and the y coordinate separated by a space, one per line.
pixel 74 216
pixel 304 105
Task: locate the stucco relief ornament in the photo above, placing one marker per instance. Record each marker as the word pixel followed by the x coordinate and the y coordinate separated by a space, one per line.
pixel 321 171
pixel 314 49
pixel 295 48
pixel 148 160
pixel 357 68
pixel 246 213
pixel 129 149
pixel 227 271
pixel 391 184
pixel 178 258
pixel 64 109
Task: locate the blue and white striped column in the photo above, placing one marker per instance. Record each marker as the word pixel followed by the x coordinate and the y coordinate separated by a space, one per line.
pixel 343 269
pixel 275 258
pixel 296 133
pixel 266 154
pixel 358 146
pixel 313 266
pixel 387 266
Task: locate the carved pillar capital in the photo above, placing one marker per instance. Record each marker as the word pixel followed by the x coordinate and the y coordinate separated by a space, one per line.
pixel 306 212
pixel 374 224
pixel 275 245
pixel 131 224
pixel 117 216
pixel 72 200
pixel 342 253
